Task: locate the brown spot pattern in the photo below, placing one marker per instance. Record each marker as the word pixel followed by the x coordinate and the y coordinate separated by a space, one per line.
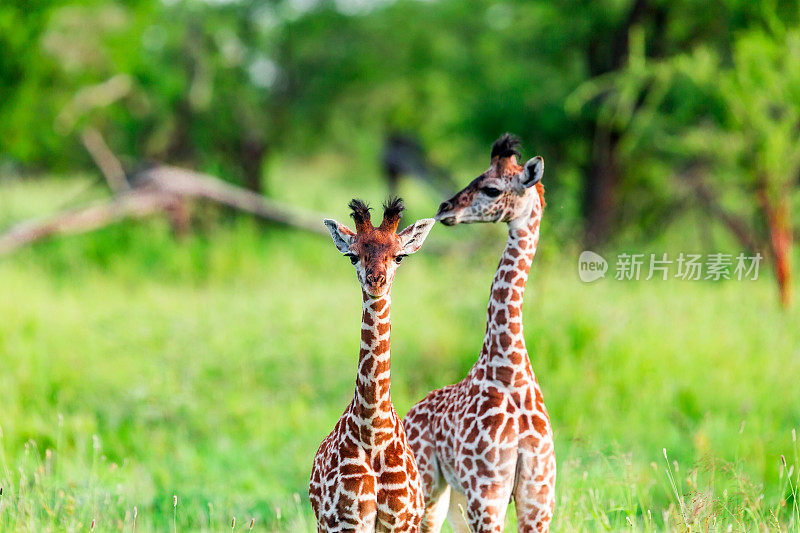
pixel 364 475
pixel 489 437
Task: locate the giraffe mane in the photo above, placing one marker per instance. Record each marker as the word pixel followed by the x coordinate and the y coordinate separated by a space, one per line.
pixel 392 211
pixel 360 214
pixel 506 146
pixel 540 189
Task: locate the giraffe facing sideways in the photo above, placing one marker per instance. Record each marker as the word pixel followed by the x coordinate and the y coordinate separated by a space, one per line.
pixel 486 439
pixel 364 477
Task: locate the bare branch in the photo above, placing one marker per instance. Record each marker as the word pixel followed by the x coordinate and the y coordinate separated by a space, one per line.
pixel 187 183
pixel 93 216
pixel 105 159
pixel 91 97
pixel 734 224
pixel 159 190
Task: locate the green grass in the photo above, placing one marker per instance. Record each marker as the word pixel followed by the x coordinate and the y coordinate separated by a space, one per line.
pixel 136 367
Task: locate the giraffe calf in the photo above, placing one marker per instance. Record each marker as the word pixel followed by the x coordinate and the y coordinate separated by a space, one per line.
pixel 487 440
pixel 364 477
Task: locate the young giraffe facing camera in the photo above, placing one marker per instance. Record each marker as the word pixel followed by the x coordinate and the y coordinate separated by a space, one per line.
pixel 482 441
pixel 364 477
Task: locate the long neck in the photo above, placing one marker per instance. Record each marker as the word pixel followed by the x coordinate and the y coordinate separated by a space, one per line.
pixel 373 398
pixel 504 357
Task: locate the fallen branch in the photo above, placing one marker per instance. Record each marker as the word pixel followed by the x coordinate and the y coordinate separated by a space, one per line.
pixel 189 184
pixel 105 160
pixel 81 220
pixel 160 189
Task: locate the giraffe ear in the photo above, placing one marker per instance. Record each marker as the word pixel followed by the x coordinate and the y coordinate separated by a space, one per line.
pixel 412 237
pixel 342 235
pixel 533 172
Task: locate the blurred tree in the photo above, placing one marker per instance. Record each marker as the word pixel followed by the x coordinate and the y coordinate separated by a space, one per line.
pixel 198 90
pixel 219 86
pixel 601 38
pixel 728 128
pixel 460 73
pixel 24 74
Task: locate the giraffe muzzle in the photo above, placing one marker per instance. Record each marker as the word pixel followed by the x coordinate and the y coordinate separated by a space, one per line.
pixel 376 284
pixel 376 279
pixel 444 214
pixel 376 291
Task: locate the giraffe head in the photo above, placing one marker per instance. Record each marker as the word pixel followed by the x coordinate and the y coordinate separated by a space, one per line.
pixel 505 192
pixel 376 251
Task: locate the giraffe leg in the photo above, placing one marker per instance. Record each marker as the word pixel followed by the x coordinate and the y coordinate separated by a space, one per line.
pixel 406 527
pixel 457 512
pixel 435 510
pixel 486 508
pixel 367 526
pixel 436 492
pixel 534 493
pixel 534 514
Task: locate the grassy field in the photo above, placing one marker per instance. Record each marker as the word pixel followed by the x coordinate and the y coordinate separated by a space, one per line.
pixel 135 367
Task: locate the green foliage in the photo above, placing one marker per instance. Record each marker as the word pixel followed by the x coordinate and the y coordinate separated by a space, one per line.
pixel 211 367
pixel 735 123
pixel 224 85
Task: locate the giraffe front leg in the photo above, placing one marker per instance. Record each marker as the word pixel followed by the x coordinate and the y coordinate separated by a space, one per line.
pixel 349 528
pixel 534 493
pixel 436 491
pixel 485 509
pixel 364 524
pixel 436 506
pixel 457 512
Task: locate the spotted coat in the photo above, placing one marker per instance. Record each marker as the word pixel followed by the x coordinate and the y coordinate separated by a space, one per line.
pixel 364 477
pixel 487 439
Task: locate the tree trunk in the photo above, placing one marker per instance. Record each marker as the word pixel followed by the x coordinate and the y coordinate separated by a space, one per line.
pixel 780 236
pixel 252 152
pixel 602 178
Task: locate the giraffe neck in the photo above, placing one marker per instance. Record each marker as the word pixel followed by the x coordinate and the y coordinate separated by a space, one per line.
pixel 372 405
pixel 504 357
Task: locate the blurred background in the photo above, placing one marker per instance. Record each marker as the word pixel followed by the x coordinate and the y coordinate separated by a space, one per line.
pixel 174 321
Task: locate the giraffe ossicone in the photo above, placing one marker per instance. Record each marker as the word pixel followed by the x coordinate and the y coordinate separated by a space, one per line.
pixel 486 439
pixel 364 477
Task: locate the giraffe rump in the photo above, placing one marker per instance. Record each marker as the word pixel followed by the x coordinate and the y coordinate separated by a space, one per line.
pixel 506 146
pixel 392 211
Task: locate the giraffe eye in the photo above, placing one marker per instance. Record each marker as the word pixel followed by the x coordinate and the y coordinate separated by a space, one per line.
pixel 399 258
pixel 353 258
pixel 491 192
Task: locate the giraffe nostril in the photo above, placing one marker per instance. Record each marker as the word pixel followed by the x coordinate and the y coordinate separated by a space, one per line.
pixel 445 206
pixel 376 279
